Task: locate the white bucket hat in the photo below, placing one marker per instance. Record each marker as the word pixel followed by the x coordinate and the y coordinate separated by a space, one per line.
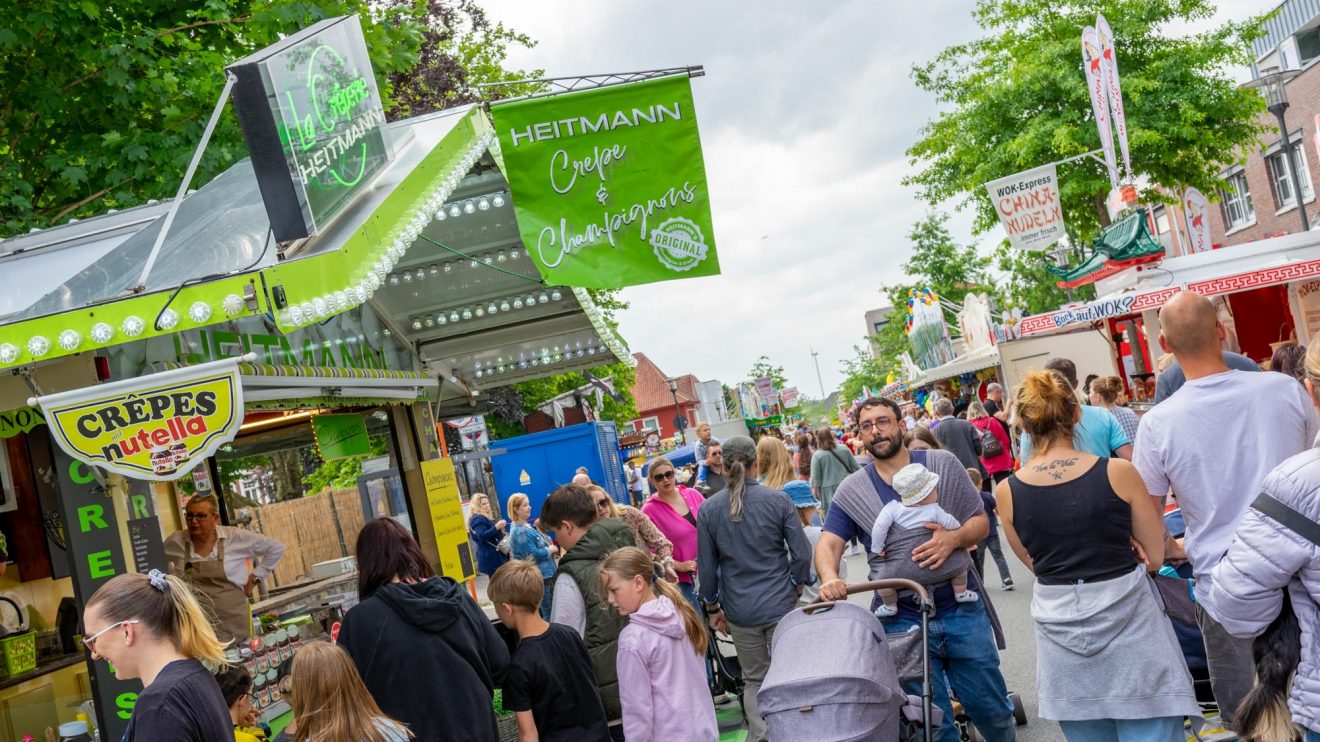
pixel 914 483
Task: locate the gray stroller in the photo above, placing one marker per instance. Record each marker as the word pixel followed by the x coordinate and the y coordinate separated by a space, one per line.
pixel 851 691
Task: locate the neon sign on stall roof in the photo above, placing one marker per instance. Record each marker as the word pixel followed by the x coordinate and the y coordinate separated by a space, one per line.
pixel 313 122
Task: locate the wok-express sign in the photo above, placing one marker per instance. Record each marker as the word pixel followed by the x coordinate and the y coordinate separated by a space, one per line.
pixel 155 427
pixel 609 185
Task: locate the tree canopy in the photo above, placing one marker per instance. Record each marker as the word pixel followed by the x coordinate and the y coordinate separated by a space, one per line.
pixel 763 367
pixel 102 105
pixel 1017 99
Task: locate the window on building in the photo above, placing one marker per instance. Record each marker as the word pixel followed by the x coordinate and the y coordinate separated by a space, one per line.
pixel 1281 179
pixel 1236 201
pixel 650 423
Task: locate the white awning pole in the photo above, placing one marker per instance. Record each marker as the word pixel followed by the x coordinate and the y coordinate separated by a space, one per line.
pixel 187 179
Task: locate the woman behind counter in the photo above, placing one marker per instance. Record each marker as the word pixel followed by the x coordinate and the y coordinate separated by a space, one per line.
pixel 213 560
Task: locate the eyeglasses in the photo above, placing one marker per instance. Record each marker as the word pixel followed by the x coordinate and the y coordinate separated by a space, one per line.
pixel 663 475
pixel 602 503
pixel 883 423
pixel 90 641
pixel 196 516
pixel 714 454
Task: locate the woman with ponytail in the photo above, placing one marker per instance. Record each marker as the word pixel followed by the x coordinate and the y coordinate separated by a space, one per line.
pixel 1108 665
pixel 152 628
pixel 662 682
pixel 1267 586
pixel 753 561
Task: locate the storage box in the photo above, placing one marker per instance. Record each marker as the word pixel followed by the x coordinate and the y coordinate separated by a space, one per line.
pixel 333 568
pixel 19 653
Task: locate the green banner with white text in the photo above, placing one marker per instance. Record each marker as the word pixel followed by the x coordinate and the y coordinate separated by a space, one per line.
pixel 609 185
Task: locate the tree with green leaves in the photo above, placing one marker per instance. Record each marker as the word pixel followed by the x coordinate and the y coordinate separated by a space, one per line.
pixel 937 262
pixel 1017 99
pixel 763 367
pixel 102 105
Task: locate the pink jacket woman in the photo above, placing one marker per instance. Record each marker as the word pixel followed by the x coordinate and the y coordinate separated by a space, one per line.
pixel 677 528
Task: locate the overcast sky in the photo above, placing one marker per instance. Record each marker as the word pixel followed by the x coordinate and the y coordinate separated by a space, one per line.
pixel 805 112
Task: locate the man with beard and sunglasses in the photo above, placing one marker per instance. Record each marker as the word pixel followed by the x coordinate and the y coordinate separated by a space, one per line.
pixel 963 651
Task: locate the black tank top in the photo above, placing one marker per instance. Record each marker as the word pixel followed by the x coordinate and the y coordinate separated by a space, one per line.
pixel 1076 530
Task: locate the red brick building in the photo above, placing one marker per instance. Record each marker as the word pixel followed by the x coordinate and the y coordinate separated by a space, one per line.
pixel 1261 202
pixel 656 408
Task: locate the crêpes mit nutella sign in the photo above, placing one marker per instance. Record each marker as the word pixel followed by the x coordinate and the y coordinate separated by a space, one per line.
pixel 155 427
pixel 609 185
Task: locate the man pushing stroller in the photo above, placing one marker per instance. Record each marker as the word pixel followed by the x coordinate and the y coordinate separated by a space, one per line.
pixel 963 650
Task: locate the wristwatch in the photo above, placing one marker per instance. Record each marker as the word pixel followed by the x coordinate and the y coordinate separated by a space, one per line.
pixel 712 608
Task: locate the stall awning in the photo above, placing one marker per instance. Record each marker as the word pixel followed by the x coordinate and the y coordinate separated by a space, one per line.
pixel 272 387
pixel 1125 243
pixel 432 245
pixel 976 360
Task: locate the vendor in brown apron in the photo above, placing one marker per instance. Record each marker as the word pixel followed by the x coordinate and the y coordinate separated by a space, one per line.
pixel 222 564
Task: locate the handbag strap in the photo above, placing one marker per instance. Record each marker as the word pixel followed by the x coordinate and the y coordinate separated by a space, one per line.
pixel 835 453
pixel 1293 520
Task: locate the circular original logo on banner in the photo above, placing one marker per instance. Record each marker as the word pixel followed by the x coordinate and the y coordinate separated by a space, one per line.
pixel 679 244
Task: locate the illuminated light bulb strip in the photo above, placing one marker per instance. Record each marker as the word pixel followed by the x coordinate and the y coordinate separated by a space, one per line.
pixel 548 355
pixel 612 340
pixel 491 307
pixel 471 206
pixel 444 268
pixel 378 269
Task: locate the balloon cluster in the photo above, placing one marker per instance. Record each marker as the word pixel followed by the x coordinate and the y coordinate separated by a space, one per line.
pixel 917 296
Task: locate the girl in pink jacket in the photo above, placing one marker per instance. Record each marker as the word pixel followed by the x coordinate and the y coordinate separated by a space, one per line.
pixel 662 682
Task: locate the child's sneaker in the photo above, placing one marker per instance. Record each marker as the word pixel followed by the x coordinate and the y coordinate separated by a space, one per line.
pixel 886 611
pixel 967 596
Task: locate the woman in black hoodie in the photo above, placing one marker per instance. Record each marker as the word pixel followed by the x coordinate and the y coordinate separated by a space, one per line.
pixel 424 648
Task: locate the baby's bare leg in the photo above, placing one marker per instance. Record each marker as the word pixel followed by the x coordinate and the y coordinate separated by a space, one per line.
pixel 959 582
pixel 890 596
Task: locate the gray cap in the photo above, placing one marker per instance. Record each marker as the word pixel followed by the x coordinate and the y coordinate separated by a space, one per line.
pixel 739 445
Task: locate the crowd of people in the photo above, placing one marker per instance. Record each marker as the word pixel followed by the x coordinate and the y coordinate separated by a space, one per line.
pixel 613 605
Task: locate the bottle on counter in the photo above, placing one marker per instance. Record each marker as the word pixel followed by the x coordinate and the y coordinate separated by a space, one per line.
pixel 75 731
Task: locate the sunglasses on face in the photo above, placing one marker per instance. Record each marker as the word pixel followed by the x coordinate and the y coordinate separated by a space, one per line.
pixel 196 516
pixel 601 504
pixel 664 475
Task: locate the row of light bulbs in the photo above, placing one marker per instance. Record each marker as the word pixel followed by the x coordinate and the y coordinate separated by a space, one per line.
pixel 101 333
pixel 546 357
pixel 375 274
pixel 435 270
pixel 470 206
pixel 510 304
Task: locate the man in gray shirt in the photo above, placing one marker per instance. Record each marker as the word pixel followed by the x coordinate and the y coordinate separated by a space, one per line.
pixel 753 560
pixel 958 437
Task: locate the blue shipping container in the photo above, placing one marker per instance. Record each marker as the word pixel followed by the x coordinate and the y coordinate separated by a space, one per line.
pixel 537 463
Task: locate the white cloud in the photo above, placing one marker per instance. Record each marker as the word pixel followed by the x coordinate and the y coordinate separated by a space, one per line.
pixel 805 112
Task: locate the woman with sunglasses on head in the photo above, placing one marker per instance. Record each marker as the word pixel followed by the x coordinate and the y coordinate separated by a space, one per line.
pixel 673 510
pixel 646 536
pixel 151 627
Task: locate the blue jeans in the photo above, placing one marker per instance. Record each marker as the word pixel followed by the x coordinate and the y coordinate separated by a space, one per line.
pixel 963 655
pixel 1163 729
pixel 1312 736
pixel 689 591
pixel 545 599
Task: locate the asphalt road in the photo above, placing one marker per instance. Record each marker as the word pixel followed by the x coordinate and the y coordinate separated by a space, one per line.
pixel 1018 661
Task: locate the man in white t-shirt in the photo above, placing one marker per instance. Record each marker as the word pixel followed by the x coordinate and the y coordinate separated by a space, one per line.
pixel 1211 444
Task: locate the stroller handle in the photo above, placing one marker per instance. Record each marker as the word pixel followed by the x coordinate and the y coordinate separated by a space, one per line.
pixel 923 597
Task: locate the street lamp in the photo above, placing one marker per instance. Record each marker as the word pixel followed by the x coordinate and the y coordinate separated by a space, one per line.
pixel 680 422
pixel 1272 83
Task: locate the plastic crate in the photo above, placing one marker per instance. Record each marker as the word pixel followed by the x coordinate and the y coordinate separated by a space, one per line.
pixel 19 653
